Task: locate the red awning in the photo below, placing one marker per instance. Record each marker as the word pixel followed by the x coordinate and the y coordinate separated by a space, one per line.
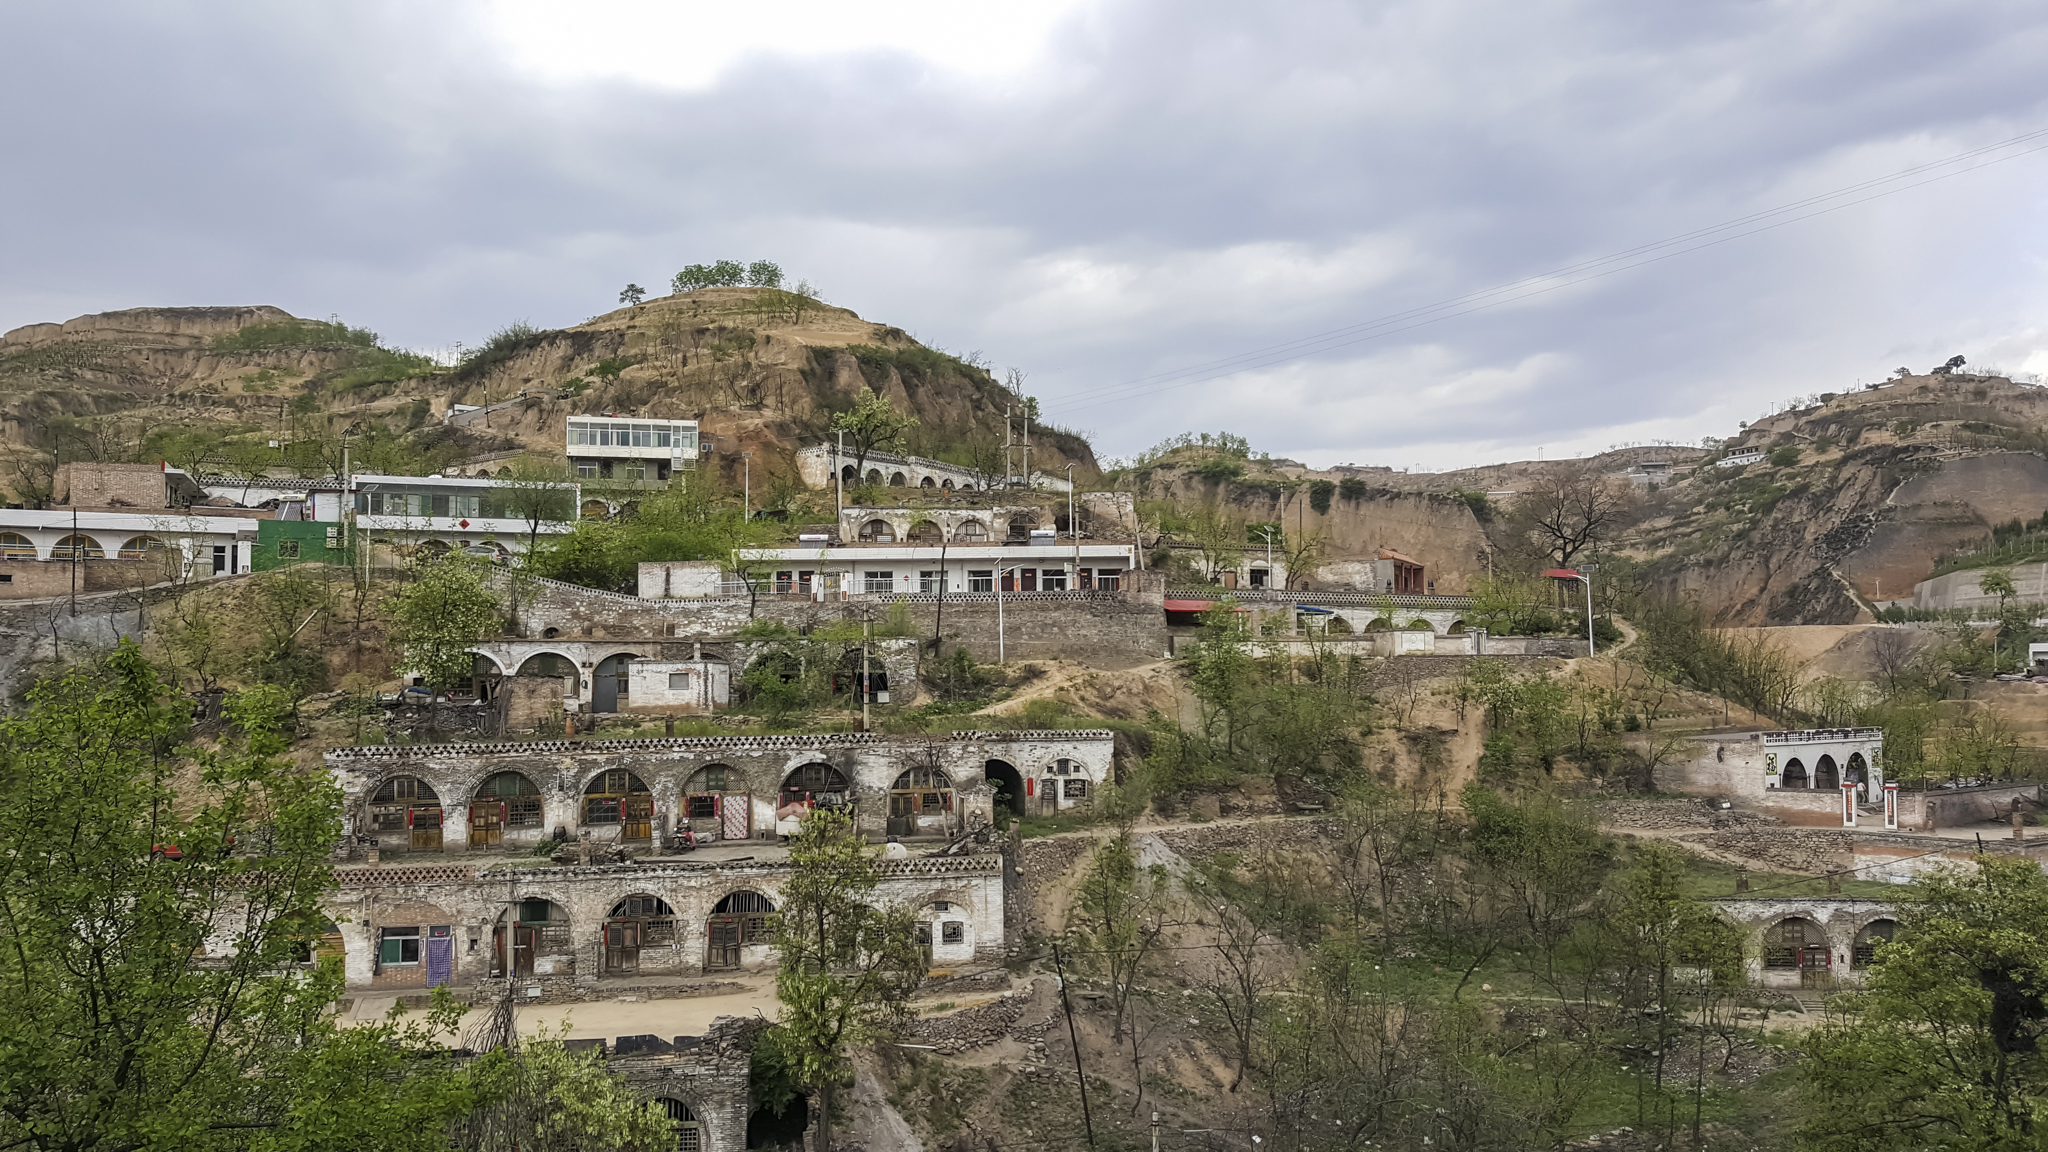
pixel 1561 574
pixel 1189 605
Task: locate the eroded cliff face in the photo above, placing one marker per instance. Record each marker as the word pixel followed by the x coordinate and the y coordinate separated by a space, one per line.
pixel 1436 528
pixel 1888 481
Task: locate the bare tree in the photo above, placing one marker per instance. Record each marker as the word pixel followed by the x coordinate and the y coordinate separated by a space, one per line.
pixel 1569 509
pixel 1891 654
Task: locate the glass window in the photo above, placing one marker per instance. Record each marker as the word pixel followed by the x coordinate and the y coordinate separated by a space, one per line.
pixel 440 505
pixel 687 441
pixel 679 681
pixel 873 581
pixel 953 932
pixel 1077 789
pixel 586 469
pixel 633 469
pixel 931 582
pixel 1052 580
pixel 643 436
pixel 399 946
pixel 695 806
pixel 661 435
pixel 981 580
pixel 579 432
pixel 1107 580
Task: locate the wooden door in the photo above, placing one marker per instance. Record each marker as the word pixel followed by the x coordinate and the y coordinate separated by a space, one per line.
pixel 523 941
pixel 426 829
pixel 723 949
pixel 636 816
pixel 622 946
pixel 902 814
pixel 1814 970
pixel 487 824
pixel 735 816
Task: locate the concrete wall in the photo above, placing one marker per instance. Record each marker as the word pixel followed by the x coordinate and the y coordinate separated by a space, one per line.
pixel 1961 590
pixel 1110 628
pixel 1751 768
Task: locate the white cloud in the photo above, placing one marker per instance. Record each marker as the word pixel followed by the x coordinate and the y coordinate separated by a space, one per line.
pixel 691 44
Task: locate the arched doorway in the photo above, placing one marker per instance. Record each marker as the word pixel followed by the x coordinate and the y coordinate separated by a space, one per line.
pixel 506 800
pixel 925 532
pixel 897 480
pixel 971 532
pixel 1798 944
pixel 1864 953
pixel 1794 775
pixel 1858 773
pixel 1824 774
pixel 1009 785
pixel 689 1130
pixel 609 685
pixel 407 806
pixel 921 798
pixel 875 477
pixel 616 796
pixel 718 804
pixel 547 664
pixel 877 532
pixel 928 484
pixel 532 938
pixel 849 475
pixel 739 920
pixel 15 546
pixel 1020 528
pixel 813 785
pixel 634 923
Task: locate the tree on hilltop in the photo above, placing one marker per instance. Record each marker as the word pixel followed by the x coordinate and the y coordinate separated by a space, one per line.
pixel 633 294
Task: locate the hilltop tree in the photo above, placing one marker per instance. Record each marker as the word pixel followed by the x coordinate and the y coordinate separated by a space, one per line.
pixel 633 294
pixel 764 274
pixel 873 425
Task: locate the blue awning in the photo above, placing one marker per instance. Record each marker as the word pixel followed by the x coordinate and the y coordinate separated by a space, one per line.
pixel 1317 611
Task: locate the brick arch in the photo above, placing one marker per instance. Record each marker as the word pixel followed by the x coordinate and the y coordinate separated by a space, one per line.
pixel 530 656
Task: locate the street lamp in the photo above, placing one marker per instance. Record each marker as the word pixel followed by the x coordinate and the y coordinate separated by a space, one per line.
pixel 1000 638
pixel 1073 530
pixel 1583 576
pixel 1266 530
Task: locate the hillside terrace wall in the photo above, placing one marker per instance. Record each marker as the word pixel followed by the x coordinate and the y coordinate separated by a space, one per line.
pixel 475 907
pixel 757 768
pixel 1108 628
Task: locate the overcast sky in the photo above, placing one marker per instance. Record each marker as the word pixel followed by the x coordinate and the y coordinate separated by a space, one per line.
pixel 1096 193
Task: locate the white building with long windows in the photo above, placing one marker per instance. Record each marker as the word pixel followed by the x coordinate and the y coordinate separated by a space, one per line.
pixel 457 512
pixel 913 551
pixel 630 449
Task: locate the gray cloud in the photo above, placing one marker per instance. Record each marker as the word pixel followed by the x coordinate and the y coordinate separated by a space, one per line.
pixel 1171 184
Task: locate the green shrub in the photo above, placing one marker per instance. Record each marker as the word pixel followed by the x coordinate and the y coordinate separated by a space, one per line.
pixel 1351 488
pixel 293 334
pixel 1784 457
pixel 1319 493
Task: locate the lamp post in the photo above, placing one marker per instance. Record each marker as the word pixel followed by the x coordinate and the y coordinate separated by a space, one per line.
pixel 1266 531
pixel 1000 637
pixel 747 485
pixel 1583 576
pixel 1073 530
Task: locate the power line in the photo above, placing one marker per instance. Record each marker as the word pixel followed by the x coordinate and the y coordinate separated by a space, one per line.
pixel 1570 275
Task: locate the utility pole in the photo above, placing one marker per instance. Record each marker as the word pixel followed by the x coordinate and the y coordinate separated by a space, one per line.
pixel 747 485
pixel 1586 577
pixel 865 683
pixel 1009 467
pixel 1027 448
pixel 1074 530
pixel 839 478
pixel 1266 530
pixel 1087 1119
